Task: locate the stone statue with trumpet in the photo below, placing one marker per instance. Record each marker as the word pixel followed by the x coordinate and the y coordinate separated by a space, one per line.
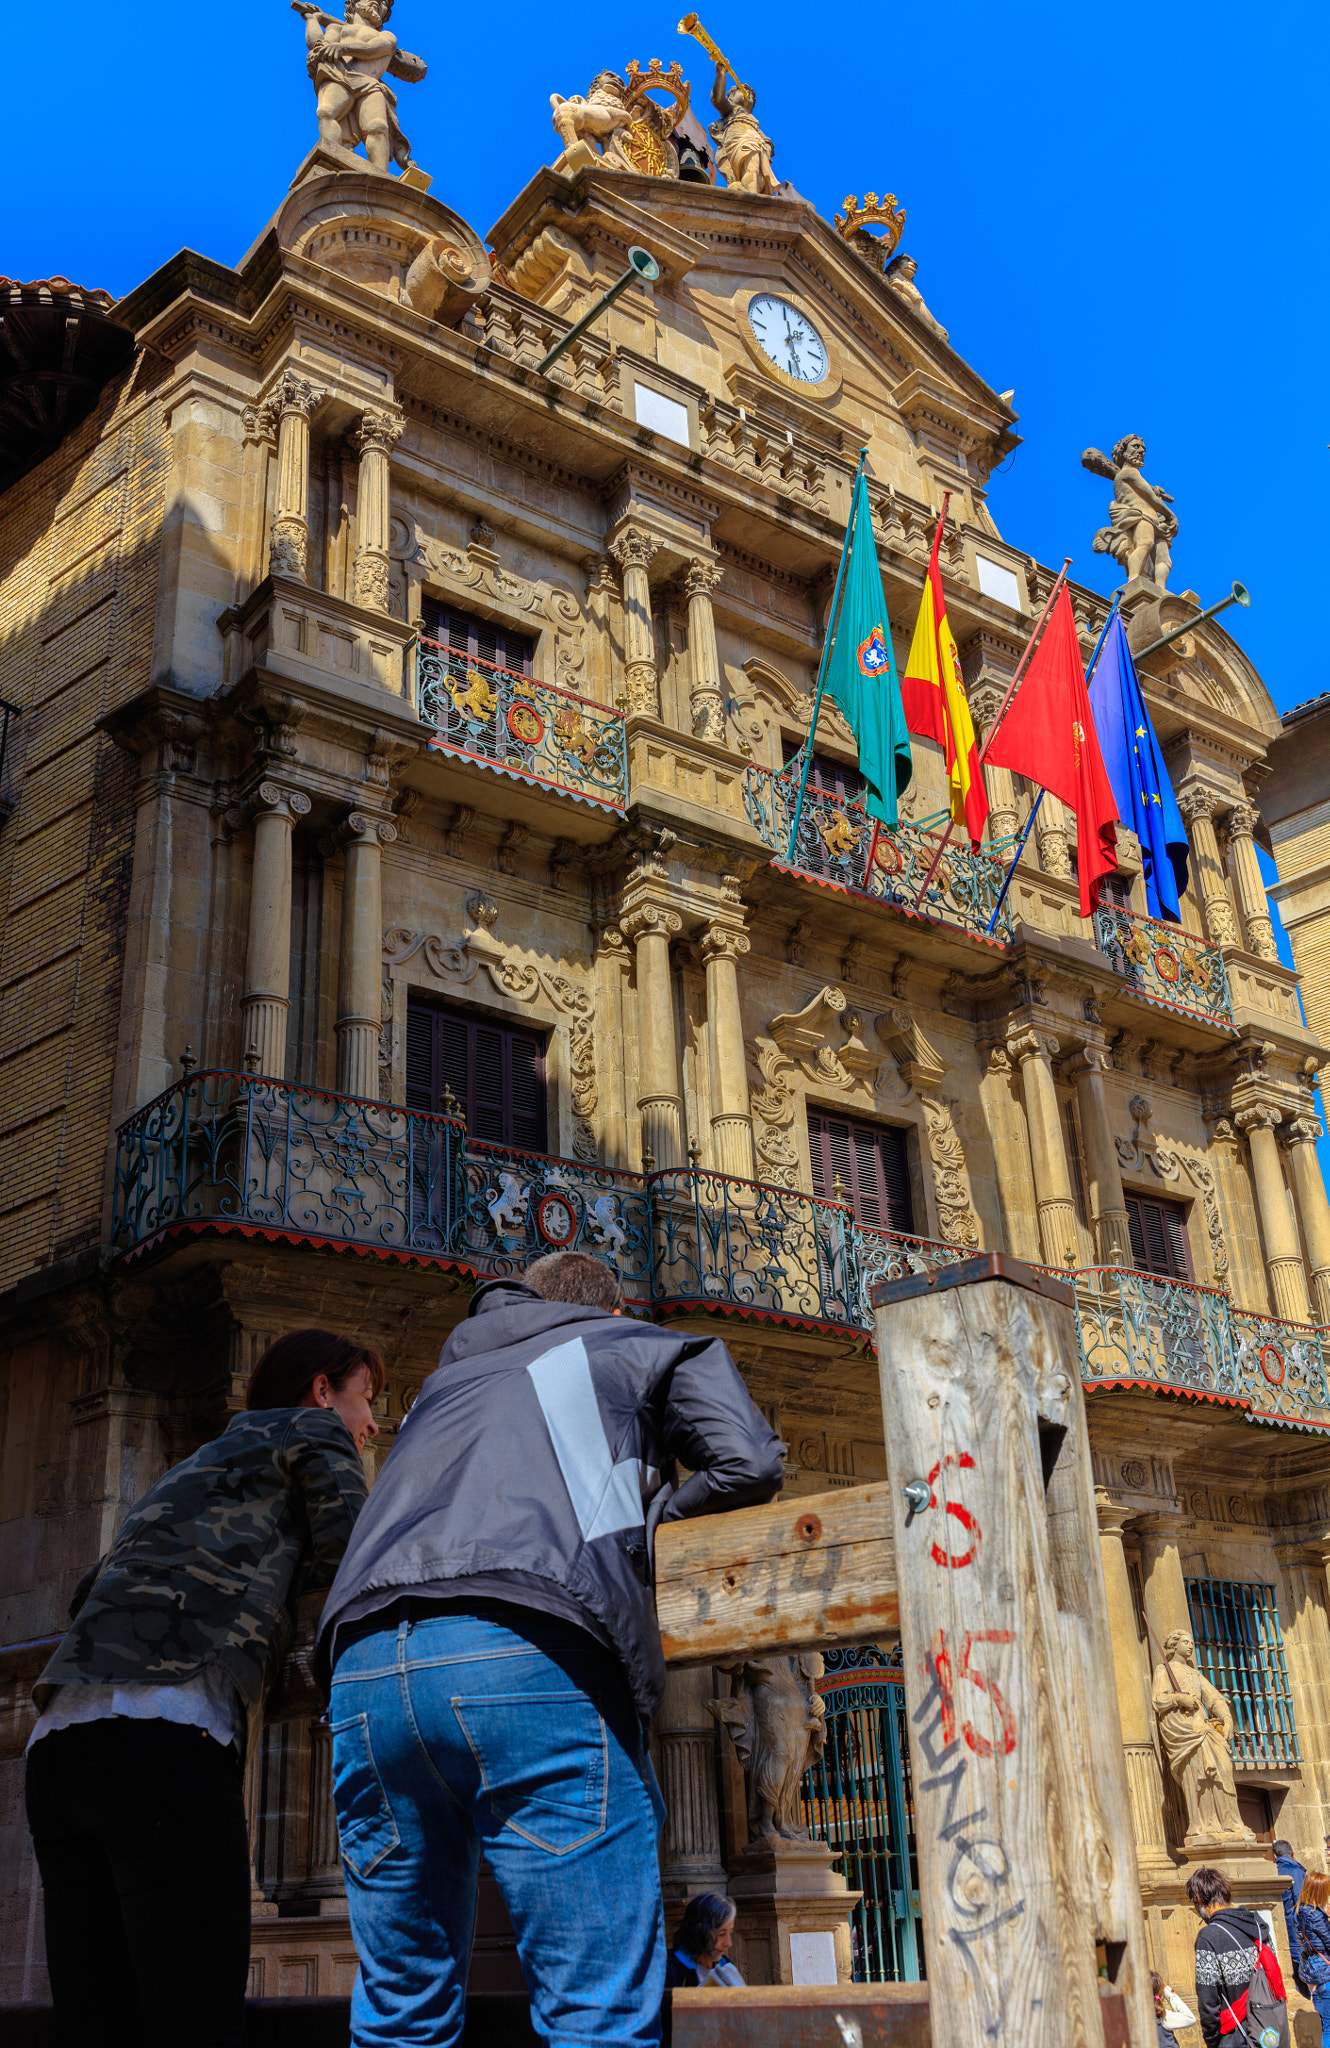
pixel 743 152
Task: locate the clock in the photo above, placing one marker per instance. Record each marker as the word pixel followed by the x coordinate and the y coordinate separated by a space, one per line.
pixel 788 339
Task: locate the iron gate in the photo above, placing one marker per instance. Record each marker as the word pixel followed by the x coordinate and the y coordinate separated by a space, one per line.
pixel 858 1797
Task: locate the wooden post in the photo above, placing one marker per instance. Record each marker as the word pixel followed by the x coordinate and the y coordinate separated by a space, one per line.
pixel 1027 1869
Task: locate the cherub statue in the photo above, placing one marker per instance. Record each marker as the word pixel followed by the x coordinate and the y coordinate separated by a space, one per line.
pixel 743 152
pixel 1196 1731
pixel 778 1725
pixel 602 117
pixel 347 61
pixel 1142 527
pixel 900 276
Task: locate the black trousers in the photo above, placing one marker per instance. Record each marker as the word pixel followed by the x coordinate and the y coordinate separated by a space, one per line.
pixel 139 1829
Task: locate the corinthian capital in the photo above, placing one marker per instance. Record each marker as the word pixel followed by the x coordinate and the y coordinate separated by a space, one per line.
pixel 378 429
pixel 1242 820
pixel 1258 1116
pixel 701 578
pixel 1032 1045
pixel 294 393
pixel 722 942
pixel 634 549
pixel 1197 802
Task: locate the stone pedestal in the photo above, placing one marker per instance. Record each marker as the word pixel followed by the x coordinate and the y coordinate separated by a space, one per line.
pixel 788 1889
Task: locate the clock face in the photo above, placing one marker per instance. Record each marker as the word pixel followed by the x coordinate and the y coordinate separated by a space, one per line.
pixel 788 338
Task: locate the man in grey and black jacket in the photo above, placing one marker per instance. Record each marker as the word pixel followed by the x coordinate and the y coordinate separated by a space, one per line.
pixel 496 1657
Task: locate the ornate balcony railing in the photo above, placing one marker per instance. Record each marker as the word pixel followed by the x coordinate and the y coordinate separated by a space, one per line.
pixel 833 841
pixel 1165 964
pixel 1139 1328
pixel 237 1151
pixel 524 728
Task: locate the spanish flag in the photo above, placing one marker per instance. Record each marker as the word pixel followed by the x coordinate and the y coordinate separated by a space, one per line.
pixel 935 703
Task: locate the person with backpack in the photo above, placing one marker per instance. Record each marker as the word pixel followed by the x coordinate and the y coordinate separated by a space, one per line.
pixel 1314 1942
pixel 1293 1873
pixel 1240 1994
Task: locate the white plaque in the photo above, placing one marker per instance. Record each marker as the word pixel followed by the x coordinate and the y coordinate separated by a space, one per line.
pixel 813 1957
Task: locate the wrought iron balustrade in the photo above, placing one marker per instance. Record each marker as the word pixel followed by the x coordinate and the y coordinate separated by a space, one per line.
pixel 523 727
pixel 1165 964
pixel 833 842
pixel 241 1151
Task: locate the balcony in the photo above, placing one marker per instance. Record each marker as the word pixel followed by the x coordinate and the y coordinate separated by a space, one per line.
pixel 1165 965
pixel 832 846
pixel 516 726
pixel 225 1152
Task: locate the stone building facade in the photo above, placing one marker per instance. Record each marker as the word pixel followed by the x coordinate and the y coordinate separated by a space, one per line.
pixel 398 883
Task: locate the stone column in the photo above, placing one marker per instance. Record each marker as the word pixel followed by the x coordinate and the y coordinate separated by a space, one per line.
pixel 1051 835
pixel 601 591
pixel 651 927
pixel 1161 1574
pixel 707 701
pixel 1198 805
pixel 1107 1205
pixel 376 436
pixel 731 1116
pixel 359 969
pixel 1283 1253
pixel 686 1733
pixel 985 702
pixel 1144 1779
pixel 1048 1154
pixel 1250 886
pixel 1304 1134
pixel 293 399
pixel 267 998
pixel 634 550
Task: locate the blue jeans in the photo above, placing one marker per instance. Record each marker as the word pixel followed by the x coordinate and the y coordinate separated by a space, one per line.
pixel 1321 2000
pixel 511 1732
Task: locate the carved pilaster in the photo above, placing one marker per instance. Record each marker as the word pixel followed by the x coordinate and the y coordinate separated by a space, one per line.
pixel 1198 804
pixel 1283 1254
pixel 706 701
pixel 377 434
pixel 1035 1051
pixel 1253 904
pixel 292 400
pixel 634 550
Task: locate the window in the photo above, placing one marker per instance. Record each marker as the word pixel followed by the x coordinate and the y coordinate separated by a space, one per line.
pixel 832 778
pixel 1117 890
pixel 478 639
pixel 1240 1649
pixel 496 1073
pixel 873 1163
pixel 1158 1237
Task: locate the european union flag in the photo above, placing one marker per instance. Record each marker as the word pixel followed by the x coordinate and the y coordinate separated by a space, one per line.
pixel 1141 787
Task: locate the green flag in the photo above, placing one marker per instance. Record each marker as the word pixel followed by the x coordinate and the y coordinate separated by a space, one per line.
pixel 861 674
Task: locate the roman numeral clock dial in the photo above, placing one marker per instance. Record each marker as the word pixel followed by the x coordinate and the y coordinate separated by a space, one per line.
pixel 788 338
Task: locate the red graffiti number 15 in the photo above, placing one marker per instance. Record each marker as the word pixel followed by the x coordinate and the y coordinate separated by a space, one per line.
pixel 1004 1743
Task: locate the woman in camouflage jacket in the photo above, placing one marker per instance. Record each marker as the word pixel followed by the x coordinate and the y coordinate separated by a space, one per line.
pixel 150 1704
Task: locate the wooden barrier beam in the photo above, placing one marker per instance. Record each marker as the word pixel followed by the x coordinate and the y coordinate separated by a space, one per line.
pixel 798 1575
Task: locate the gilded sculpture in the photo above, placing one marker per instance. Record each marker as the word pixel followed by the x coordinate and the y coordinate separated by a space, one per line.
pixel 1196 1733
pixel 617 126
pixel 347 60
pixel 853 227
pixel 1141 528
pixel 777 1722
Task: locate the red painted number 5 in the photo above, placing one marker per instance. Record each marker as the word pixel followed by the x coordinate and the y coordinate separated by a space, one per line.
pixel 958 1511
pixel 965 1671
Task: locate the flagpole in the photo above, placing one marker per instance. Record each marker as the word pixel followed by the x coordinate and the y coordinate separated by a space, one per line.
pixel 877 823
pixel 833 620
pixel 1034 808
pixel 1001 714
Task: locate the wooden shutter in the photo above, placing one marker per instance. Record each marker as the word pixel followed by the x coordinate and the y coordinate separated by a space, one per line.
pixel 871 1160
pixel 1158 1237
pixel 496 1073
pixel 478 639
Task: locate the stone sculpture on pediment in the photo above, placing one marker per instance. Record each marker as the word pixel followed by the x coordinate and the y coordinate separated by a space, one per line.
pixel 900 276
pixel 1141 527
pixel 743 153
pixel 347 61
pixel 617 126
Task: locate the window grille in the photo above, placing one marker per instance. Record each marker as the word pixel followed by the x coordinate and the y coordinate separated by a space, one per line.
pixel 1240 1649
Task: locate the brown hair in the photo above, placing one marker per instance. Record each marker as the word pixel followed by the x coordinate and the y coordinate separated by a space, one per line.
pixel 289 1368
pixel 575 1277
pixel 1315 1889
pixel 1209 1887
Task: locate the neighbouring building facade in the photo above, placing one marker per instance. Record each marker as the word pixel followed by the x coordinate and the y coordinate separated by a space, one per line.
pixel 397 881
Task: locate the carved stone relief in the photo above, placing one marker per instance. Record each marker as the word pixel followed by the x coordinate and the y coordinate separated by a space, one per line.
pixel 474 571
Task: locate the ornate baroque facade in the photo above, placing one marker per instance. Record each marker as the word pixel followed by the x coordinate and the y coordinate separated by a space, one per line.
pixel 398 882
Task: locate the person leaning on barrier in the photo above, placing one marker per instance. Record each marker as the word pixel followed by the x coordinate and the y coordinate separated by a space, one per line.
pixel 147 1709
pixel 701 1950
pixel 495 1654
